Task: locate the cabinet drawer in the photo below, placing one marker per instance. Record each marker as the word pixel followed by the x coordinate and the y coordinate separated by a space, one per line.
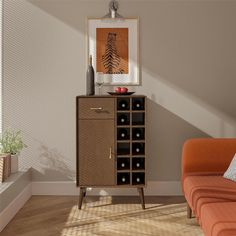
pixel 96 108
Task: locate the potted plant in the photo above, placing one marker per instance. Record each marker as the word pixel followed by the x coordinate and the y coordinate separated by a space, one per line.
pixel 11 142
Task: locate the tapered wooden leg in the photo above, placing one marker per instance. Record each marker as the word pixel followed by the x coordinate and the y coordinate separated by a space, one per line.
pixel 189 212
pixel 81 196
pixel 141 195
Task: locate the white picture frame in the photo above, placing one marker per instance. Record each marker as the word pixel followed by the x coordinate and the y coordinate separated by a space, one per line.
pixel 130 59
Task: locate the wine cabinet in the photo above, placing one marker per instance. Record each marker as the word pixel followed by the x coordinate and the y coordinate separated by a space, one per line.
pixel 111 146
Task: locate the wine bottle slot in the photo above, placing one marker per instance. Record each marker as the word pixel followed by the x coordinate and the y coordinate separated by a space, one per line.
pixel 123 164
pixel 138 148
pixel 138 133
pixel 138 104
pixel 123 178
pixel 123 149
pixel 138 163
pixel 123 104
pixel 138 178
pixel 123 119
pixel 138 118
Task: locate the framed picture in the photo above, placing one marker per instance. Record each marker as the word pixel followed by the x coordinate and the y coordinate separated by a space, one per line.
pixel 114 47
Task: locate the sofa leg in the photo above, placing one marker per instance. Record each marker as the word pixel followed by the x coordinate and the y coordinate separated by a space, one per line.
pixel 189 212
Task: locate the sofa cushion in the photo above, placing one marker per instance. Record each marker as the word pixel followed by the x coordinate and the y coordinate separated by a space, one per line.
pixel 216 188
pixel 219 219
pixel 202 201
pixel 230 173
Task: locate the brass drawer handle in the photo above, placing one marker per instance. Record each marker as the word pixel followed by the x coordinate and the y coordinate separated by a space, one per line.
pixel 96 108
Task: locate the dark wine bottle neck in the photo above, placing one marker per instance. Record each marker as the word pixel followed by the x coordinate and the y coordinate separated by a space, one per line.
pixel 90 60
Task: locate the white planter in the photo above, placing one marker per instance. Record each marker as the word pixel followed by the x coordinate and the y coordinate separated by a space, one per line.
pixel 14 163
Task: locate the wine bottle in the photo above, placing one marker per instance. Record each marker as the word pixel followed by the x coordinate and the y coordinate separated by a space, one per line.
pixel 138 148
pixel 123 178
pixel 90 88
pixel 123 105
pixel 123 119
pixel 123 134
pixel 138 133
pixel 123 164
pixel 138 104
pixel 138 164
pixel 138 178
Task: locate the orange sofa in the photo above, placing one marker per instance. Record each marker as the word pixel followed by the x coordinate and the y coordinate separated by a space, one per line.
pixel 210 197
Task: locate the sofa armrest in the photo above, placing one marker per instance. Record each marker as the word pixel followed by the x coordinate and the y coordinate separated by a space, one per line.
pixel 207 155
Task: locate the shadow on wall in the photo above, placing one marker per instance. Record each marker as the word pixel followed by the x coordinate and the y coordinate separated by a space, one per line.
pixel 47 163
pixel 53 165
pixel 188 107
pixel 167 133
pixel 73 13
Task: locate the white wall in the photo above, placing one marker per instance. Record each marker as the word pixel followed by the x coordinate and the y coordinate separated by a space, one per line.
pixel 188 68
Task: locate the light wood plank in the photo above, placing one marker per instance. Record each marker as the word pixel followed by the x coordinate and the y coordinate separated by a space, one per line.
pixel 59 216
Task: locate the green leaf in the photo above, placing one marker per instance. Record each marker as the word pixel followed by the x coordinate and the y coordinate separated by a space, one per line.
pixel 11 142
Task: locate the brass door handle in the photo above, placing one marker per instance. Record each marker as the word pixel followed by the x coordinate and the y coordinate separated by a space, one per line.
pixel 110 155
pixel 96 108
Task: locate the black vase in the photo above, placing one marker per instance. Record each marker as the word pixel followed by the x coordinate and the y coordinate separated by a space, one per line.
pixel 90 87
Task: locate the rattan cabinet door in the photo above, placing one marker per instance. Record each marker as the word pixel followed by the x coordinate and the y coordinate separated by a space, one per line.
pixel 96 148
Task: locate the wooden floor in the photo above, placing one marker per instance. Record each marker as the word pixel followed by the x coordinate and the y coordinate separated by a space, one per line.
pixel 103 216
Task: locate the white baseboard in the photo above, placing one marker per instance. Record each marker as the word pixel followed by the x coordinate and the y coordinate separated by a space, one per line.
pixel 9 212
pixel 154 188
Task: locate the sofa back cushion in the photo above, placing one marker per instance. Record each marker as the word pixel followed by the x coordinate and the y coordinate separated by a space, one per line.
pixel 208 155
